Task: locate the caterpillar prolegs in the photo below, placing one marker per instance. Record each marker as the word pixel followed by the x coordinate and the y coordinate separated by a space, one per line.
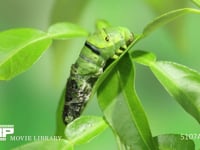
pixel 105 44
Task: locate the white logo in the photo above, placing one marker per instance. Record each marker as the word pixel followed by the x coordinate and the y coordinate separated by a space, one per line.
pixel 5 130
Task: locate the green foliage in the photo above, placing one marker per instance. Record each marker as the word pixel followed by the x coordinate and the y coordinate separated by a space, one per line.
pixel 117 97
pixel 20 48
pixel 167 17
pixel 130 123
pixel 173 142
pixel 85 128
pixel 197 2
pixel 63 31
pixel 182 83
pixel 47 145
pixel 81 131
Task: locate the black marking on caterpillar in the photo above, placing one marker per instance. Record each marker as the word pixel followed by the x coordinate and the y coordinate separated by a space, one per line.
pixel 92 48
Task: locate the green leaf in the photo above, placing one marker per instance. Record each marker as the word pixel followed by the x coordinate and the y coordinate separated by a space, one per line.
pixel 60 126
pixel 174 142
pixel 84 128
pixel 47 145
pixel 19 49
pixel 197 2
pixel 166 18
pixel 161 7
pixel 66 30
pixel 142 57
pixel 112 65
pixel 100 24
pixel 122 108
pixel 182 83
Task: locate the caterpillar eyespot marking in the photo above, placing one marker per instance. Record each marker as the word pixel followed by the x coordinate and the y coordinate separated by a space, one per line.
pixel 100 47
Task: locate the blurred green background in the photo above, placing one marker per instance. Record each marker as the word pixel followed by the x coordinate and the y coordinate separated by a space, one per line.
pixel 30 100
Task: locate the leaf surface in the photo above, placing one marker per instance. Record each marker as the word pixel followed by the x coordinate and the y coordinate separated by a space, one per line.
pixel 166 18
pixel 122 108
pixel 174 142
pixel 65 30
pixel 19 49
pixel 182 83
pixel 84 128
pixel 47 145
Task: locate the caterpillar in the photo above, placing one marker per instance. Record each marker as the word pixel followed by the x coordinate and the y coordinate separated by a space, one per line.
pixel 105 44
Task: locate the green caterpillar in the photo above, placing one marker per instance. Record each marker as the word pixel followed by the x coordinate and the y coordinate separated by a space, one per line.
pixel 105 44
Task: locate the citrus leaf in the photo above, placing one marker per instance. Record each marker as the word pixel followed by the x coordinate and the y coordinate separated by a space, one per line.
pixel 174 142
pixel 122 108
pixel 161 7
pixel 197 2
pixel 19 49
pixel 60 126
pixel 100 24
pixel 84 128
pixel 143 57
pixel 47 145
pixel 182 83
pixel 66 30
pixel 166 18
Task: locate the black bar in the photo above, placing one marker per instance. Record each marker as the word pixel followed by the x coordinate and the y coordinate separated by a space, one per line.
pixel 92 48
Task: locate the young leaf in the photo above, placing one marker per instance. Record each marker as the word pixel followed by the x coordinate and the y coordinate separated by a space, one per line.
pixel 197 2
pixel 100 24
pixel 47 145
pixel 182 83
pixel 142 57
pixel 174 142
pixel 122 108
pixel 165 18
pixel 160 7
pixel 84 129
pixel 19 49
pixel 60 126
pixel 66 30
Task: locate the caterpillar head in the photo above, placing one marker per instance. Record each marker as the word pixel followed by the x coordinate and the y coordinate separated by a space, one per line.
pixel 110 40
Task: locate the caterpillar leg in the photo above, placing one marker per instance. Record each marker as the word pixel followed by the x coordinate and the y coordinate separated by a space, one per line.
pixel 119 52
pixel 115 56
